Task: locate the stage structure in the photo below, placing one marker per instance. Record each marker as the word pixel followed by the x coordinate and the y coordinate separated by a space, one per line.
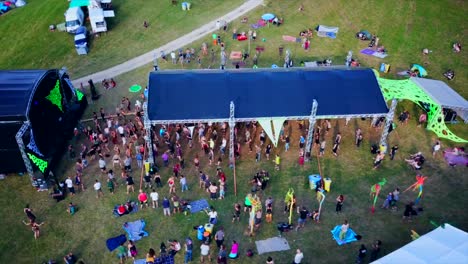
pixel 269 96
pixel 38 111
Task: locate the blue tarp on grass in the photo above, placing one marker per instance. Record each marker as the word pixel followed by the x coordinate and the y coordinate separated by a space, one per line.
pixel 257 93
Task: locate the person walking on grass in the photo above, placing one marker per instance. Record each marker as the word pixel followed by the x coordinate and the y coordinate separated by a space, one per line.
pixel 435 148
pixel 237 212
pixel 143 199
pixel 110 186
pixel 98 189
pixel 35 228
pixel 393 151
pixel 339 203
pixel 183 183
pixel 302 218
pixel 188 250
pixel 171 183
pixel 322 148
pixel 205 252
pixel 69 183
pixel 298 257
pixel 166 207
pixel 154 198
pixel 219 237
pixel 130 183
pixel 362 254
pixel 222 255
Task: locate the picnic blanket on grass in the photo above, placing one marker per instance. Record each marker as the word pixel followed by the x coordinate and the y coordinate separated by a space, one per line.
pixel 260 23
pixel 135 230
pixel 452 159
pixel 272 244
pixel 198 205
pixel 350 235
pixel 371 52
pixel 328 32
pixel 114 242
pixel 161 260
pixel 235 55
pixel 291 38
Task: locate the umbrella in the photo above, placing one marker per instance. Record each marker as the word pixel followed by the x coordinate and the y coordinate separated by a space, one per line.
pixel 422 71
pixel 268 16
pixel 135 88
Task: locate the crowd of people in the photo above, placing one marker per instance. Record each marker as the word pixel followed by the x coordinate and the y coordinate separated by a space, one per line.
pixel 116 145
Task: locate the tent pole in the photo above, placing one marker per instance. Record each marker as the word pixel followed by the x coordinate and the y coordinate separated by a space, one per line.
pixel 19 141
pixel 310 133
pixel 148 138
pixel 388 122
pixel 232 159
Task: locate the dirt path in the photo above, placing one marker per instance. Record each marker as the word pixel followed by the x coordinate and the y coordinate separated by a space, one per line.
pixel 168 47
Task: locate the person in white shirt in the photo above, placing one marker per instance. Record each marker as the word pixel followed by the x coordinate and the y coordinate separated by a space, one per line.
pixel 97 188
pixel 436 148
pixel 69 183
pixel 213 216
pixel 298 257
pixel 102 164
pixel 205 252
pixel 154 198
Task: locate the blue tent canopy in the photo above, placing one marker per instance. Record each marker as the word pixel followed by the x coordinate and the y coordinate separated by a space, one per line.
pixel 16 90
pixel 202 95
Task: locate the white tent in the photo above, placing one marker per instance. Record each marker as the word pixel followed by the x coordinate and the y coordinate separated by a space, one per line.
pixel 444 95
pixel 448 245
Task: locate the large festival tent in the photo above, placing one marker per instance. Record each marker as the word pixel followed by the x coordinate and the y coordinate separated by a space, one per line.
pixel 38 111
pixel 269 96
pixel 446 244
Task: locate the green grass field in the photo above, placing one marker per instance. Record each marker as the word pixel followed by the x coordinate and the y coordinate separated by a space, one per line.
pixel 32 46
pixel 404 27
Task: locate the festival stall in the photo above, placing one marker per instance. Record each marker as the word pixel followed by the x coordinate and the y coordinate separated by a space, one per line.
pixel 38 111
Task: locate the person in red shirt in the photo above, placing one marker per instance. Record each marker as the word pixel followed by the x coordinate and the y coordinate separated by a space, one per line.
pixel 143 199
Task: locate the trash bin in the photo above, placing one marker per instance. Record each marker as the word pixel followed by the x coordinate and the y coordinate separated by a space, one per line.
pixel 327 182
pixel 209 228
pixel 313 180
pixel 200 232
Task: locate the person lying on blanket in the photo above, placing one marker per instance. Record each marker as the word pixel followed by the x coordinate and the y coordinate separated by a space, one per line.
pixel 122 210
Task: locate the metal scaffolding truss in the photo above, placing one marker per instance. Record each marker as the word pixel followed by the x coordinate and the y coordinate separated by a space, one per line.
pixel 240 120
pixel 19 141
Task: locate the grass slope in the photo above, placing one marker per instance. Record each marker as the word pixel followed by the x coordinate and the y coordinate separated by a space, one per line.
pixel 29 44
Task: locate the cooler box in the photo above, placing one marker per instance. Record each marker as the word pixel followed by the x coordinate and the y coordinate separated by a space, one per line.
pixel 209 228
pixel 327 183
pixel 313 180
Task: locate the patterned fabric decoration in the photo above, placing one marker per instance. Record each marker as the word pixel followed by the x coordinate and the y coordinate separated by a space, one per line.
pixel 55 97
pixel 32 145
pixel 40 163
pixel 79 95
pixel 407 89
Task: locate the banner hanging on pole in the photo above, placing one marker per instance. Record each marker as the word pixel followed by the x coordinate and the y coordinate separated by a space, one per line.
pixel 277 127
pixel 266 125
pixel 191 130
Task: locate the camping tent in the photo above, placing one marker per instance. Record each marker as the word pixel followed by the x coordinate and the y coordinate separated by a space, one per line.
pixel 446 244
pixel 38 109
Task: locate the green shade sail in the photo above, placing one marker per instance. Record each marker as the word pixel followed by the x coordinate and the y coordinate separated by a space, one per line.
pixel 407 89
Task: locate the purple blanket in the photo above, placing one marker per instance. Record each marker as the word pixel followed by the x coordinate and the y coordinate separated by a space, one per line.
pixel 453 159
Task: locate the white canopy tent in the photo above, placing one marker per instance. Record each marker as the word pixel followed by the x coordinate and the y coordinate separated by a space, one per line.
pixel 443 245
pixel 444 95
